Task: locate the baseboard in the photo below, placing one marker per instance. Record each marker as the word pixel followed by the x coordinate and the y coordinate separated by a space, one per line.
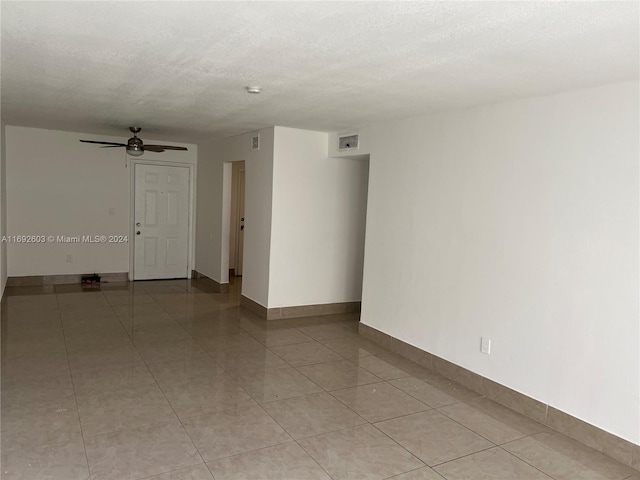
pixel 209 283
pixel 312 310
pixel 280 313
pixel 35 280
pixel 594 437
pixel 253 306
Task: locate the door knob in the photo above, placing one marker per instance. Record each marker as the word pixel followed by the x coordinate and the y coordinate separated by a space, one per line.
pixel 138 224
pixel 138 232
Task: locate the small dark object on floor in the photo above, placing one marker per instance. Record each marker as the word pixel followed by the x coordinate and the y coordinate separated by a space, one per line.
pixel 90 281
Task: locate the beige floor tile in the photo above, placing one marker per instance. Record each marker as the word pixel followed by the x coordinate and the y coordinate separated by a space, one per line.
pixel 106 379
pixel 359 452
pixel 18 346
pixel 353 346
pixel 312 415
pixel 237 343
pixel 199 396
pixel 79 326
pixel 68 362
pixel 241 363
pixel 492 464
pixel 179 350
pixel 33 364
pixel 124 409
pixel 199 472
pixel 389 367
pixel 137 320
pixel 182 370
pixel 252 322
pixel 158 334
pixel 424 473
pixel 280 336
pixel 77 302
pixel 379 401
pixel 96 317
pixel 79 297
pixel 432 437
pixel 286 461
pixel 101 340
pixel 32 391
pixel 33 301
pixel 120 300
pixel 566 459
pixel 139 312
pixel 46 462
pixel 432 396
pixel 140 453
pixel 277 384
pixel 85 308
pixel 234 431
pixel 164 289
pixel 110 355
pixel 326 332
pixel 337 375
pixel 451 388
pixel 30 426
pixel 211 327
pixel 306 354
pixel 493 421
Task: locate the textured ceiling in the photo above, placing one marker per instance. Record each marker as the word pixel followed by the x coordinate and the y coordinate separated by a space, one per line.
pixel 178 69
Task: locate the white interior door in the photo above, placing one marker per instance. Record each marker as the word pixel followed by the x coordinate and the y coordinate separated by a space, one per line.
pixel 161 231
pixel 240 236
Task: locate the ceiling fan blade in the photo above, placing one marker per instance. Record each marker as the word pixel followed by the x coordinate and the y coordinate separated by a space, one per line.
pixel 165 147
pixel 153 148
pixel 105 143
pixel 113 146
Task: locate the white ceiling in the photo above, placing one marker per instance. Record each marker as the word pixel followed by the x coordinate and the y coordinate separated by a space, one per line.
pixel 178 69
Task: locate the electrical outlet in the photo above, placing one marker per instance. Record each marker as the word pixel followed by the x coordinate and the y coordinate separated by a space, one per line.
pixel 69 259
pixel 485 345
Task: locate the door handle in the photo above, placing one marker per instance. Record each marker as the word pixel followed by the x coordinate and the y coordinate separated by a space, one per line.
pixel 241 227
pixel 138 232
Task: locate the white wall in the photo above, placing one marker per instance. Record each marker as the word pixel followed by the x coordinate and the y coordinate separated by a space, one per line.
pixel 59 186
pixel 318 222
pixel 518 222
pixel 3 209
pixel 212 232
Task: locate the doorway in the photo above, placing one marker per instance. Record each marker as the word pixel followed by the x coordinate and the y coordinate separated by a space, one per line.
pixel 237 220
pixel 161 222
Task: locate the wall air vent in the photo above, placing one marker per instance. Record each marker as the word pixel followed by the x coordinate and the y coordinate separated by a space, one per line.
pixel 348 142
pixel 255 142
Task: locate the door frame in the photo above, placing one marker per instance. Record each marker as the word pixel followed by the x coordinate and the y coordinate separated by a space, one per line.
pixel 132 209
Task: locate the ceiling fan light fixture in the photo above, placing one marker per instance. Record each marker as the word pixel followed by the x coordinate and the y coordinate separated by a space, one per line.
pixel 135 150
pixel 254 90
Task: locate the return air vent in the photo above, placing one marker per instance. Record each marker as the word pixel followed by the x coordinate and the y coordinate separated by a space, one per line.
pixel 348 142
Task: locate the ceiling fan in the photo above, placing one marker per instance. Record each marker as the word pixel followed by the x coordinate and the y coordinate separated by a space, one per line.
pixel 135 147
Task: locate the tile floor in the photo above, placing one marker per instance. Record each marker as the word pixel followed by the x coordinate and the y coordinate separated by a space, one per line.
pixel 167 381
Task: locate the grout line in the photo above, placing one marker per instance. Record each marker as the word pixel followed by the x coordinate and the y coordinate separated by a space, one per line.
pixel 160 388
pixel 73 385
pixel 523 460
